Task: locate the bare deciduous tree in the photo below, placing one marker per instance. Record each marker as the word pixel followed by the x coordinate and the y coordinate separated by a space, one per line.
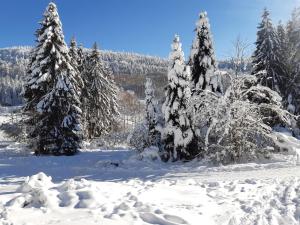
pixel 239 55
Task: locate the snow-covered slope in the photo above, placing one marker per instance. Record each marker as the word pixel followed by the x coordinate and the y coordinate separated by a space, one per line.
pixel 116 187
pixel 122 63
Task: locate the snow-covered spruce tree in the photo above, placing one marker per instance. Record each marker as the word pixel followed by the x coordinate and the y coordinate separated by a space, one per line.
pixel 292 62
pixel 52 91
pixel 147 134
pixel 100 97
pixel 264 57
pixel 152 117
pixel 177 134
pixel 77 55
pixel 202 59
pixel 73 52
pixel 81 59
pixel 283 66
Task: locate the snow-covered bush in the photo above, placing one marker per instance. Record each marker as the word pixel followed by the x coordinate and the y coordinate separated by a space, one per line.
pixel 234 127
pixel 139 137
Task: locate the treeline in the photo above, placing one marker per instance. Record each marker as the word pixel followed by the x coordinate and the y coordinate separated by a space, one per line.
pixel 121 63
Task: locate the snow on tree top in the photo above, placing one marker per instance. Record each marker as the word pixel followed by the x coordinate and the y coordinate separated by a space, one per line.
pixel 203 21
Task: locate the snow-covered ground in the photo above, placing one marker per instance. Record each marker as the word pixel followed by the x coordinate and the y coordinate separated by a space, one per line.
pixel 116 188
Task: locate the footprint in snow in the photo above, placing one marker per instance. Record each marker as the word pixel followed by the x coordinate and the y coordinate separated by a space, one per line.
pixel 166 220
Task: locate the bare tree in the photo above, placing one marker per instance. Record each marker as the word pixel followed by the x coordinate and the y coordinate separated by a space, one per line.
pixel 239 55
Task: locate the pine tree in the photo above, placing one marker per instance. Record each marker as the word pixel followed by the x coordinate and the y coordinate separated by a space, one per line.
pixel 52 91
pixel 152 118
pixel 292 91
pixel 202 59
pixel 177 134
pixel 101 107
pixel 264 58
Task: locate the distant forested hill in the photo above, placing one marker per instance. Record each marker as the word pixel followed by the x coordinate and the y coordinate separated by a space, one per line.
pixel 14 60
pixel 129 70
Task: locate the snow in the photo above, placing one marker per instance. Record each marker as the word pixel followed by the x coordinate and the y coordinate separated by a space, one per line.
pixel 119 187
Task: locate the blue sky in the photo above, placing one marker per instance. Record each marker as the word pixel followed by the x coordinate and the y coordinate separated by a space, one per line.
pixel 143 26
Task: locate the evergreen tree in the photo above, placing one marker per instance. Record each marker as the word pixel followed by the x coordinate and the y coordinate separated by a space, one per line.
pixel 282 64
pixel 77 55
pixel 81 59
pixel 264 58
pixel 101 107
pixel 293 33
pixel 177 134
pixel 202 59
pixel 152 119
pixel 292 91
pixel 52 91
pixel 73 52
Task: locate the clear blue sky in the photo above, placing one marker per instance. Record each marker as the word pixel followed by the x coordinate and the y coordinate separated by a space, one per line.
pixel 143 26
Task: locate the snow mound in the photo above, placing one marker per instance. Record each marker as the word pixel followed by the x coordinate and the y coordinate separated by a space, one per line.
pixel 150 153
pixel 37 198
pixel 38 191
pixel 288 145
pixel 34 182
pixel 4 216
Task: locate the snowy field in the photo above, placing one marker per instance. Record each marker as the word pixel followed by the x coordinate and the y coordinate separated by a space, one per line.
pixel 116 188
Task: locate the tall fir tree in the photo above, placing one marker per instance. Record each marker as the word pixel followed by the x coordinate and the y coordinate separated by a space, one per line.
pixel 292 92
pixel 73 52
pixel 52 91
pixel 81 59
pixel 264 57
pixel 152 117
pixel 202 59
pixel 177 134
pixel 77 55
pixel 101 107
pixel 282 65
pixel 293 33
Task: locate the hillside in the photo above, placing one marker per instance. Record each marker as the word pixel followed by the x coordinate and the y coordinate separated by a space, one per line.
pixel 129 70
pixel 122 63
pixel 14 60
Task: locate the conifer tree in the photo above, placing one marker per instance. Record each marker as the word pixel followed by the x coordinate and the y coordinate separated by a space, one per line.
pixel 202 59
pixel 177 134
pixel 152 119
pixel 282 64
pixel 101 107
pixel 292 91
pixel 77 55
pixel 52 91
pixel 81 59
pixel 73 52
pixel 264 58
